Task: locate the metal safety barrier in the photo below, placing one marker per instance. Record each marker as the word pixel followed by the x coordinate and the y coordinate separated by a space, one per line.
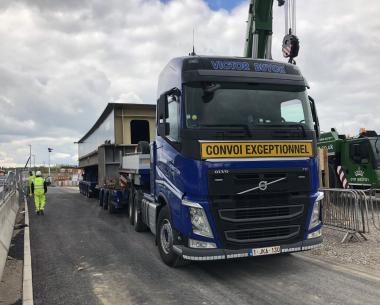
pixel 372 199
pixel 346 210
pixel 8 185
pixel 12 188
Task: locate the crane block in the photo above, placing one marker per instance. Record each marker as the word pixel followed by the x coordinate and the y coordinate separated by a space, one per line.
pixel 290 46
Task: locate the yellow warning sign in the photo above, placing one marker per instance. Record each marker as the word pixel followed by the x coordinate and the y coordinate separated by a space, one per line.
pixel 212 150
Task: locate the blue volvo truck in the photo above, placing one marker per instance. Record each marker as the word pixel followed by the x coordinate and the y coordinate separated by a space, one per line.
pixel 233 171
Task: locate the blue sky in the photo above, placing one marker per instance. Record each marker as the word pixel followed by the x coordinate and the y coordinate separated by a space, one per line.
pixel 226 4
pixel 218 4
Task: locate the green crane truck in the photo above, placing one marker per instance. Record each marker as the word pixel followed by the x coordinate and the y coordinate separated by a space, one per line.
pixel 354 162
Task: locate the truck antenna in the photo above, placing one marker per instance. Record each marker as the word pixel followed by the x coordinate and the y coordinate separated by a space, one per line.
pixel 193 52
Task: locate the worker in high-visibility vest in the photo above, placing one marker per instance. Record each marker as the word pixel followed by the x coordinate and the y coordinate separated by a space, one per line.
pixel 30 181
pixel 39 189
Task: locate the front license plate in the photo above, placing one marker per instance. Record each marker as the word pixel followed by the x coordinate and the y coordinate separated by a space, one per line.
pixel 266 251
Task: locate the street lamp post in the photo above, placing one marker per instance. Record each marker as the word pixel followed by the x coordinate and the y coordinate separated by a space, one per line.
pixel 30 157
pixel 49 150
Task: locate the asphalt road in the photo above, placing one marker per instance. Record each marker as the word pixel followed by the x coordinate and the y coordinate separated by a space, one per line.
pixel 83 255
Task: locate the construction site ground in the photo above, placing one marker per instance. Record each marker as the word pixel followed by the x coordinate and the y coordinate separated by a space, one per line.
pixel 363 254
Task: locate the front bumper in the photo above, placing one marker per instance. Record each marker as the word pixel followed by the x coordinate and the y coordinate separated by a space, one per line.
pixel 219 254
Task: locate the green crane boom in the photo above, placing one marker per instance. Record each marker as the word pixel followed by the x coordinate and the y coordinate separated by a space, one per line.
pixel 258 42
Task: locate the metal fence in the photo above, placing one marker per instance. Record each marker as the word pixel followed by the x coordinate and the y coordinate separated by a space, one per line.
pixel 356 212
pixel 8 185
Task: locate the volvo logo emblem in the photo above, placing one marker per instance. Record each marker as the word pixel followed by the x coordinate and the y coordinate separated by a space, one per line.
pixel 263 185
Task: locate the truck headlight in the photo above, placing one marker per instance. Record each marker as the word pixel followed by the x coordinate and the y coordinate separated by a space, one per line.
pixel 315 215
pixel 198 219
pixel 199 244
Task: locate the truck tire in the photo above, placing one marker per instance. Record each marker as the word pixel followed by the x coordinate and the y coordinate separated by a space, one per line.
pixel 137 219
pixel 106 199
pixel 143 147
pixel 88 194
pixel 130 207
pixel 165 237
pixel 111 207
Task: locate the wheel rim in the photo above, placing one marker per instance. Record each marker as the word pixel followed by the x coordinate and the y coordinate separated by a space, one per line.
pixel 166 236
pixel 136 215
pixel 130 209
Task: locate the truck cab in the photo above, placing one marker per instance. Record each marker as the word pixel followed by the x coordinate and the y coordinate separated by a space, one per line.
pixel 233 169
pixel 355 158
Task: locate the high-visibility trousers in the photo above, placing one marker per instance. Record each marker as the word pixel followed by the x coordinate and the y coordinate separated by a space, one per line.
pixel 39 201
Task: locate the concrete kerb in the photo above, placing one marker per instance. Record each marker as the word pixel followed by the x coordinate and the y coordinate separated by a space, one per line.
pixel 8 212
pixel 27 285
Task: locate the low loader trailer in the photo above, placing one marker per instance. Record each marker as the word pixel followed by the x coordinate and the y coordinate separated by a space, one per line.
pixel 233 171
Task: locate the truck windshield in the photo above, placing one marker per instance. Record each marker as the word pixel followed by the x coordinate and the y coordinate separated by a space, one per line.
pixel 223 105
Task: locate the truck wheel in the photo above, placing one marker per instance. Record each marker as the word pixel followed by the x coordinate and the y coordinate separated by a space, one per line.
pixel 131 209
pixel 165 238
pixel 137 219
pixel 105 200
pixel 111 208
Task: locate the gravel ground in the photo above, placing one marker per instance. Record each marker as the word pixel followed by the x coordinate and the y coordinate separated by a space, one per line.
pixel 365 254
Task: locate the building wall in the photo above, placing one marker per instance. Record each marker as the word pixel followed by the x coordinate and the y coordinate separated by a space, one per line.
pixel 103 133
pixel 123 117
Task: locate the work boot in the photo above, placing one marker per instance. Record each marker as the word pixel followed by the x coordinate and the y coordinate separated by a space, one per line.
pixel 42 212
pixel 38 212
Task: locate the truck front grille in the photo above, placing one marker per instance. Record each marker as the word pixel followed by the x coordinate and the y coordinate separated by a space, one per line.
pixel 260 218
pixel 261 213
pixel 262 234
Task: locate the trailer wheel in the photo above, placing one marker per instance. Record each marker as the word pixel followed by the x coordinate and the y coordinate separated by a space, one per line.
pixel 106 200
pixel 130 207
pixel 165 238
pixel 137 219
pixel 101 195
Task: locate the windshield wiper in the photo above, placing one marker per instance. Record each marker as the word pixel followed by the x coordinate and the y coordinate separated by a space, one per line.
pixel 285 125
pixel 243 126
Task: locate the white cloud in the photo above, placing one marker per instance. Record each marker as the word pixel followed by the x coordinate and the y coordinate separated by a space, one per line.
pixel 62 156
pixel 62 61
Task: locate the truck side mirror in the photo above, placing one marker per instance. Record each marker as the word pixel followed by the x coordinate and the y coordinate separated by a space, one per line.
pixel 315 117
pixel 162 107
pixel 162 115
pixel 163 128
